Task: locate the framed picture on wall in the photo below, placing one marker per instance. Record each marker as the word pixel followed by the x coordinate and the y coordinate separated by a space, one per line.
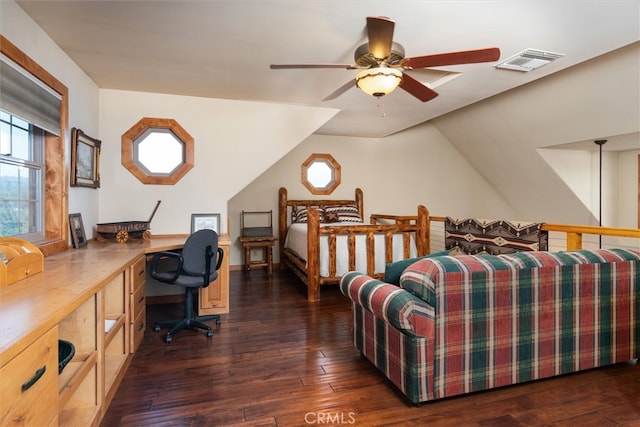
pixel 85 160
pixel 78 237
pixel 210 221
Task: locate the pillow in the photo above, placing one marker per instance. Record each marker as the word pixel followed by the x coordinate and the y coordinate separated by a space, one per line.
pixel 345 213
pixel 394 270
pixel 331 217
pixel 302 213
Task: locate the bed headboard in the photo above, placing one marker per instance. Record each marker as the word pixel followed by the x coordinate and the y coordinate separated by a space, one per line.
pixel 284 206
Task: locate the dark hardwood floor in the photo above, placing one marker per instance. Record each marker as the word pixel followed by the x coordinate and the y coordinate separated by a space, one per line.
pixel 277 360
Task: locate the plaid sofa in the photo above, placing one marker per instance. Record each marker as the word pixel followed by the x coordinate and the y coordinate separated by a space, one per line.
pixel 459 324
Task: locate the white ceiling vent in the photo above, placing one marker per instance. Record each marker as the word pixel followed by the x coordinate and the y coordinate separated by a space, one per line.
pixel 528 60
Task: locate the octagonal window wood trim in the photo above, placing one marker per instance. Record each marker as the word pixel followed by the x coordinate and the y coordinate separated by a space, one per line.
pixel 132 137
pixel 322 161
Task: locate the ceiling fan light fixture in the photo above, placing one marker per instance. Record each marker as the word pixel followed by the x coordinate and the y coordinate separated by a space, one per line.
pixel 379 81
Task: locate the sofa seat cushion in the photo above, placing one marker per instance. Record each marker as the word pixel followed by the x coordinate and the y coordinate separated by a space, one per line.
pixel 421 277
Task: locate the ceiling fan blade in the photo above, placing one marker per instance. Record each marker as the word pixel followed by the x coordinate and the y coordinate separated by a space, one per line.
pixel 342 89
pixel 417 89
pixel 380 32
pixel 453 58
pixel 300 66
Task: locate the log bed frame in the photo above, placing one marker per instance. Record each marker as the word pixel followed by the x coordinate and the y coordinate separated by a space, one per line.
pixel 386 225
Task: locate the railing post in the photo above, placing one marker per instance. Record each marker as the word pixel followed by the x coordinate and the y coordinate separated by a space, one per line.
pixel 574 241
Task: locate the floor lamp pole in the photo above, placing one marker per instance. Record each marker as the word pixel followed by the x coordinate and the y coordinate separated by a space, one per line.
pixel 600 143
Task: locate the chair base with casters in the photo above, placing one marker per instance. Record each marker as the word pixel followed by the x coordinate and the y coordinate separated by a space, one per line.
pixel 189 321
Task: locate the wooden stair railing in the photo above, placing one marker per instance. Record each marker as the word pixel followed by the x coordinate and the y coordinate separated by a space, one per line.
pixel 575 232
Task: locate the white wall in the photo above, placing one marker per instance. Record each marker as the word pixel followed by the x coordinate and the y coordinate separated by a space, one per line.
pixel 628 165
pixel 23 32
pixel 500 136
pixel 417 166
pixel 233 142
pixel 575 168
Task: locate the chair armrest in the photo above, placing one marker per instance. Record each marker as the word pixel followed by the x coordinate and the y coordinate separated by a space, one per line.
pixel 158 257
pixel 220 256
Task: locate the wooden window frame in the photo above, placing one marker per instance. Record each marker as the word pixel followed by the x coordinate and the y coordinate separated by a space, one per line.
pixel 56 223
pixel 129 139
pixel 331 163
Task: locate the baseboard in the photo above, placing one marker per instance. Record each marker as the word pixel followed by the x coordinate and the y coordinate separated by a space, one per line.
pixel 240 267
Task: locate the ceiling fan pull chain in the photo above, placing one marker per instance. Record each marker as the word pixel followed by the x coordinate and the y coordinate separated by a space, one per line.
pixel 383 113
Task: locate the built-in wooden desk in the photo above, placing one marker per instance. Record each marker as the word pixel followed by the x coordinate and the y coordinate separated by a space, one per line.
pixel 91 297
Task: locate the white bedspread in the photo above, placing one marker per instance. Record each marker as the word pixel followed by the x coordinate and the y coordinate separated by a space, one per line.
pixel 297 241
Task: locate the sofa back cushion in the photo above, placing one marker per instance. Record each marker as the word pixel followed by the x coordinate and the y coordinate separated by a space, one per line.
pixel 422 277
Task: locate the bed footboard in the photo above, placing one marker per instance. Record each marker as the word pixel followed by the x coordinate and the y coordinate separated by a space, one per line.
pixel 409 228
pixel 418 229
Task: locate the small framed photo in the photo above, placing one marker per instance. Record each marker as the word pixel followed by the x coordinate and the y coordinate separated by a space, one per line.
pixel 209 221
pixel 78 237
pixel 85 160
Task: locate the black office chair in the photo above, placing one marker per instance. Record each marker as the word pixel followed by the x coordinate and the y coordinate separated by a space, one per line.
pixel 192 268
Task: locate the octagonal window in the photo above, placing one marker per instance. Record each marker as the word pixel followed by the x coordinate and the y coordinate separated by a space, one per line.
pixel 157 151
pixel 321 174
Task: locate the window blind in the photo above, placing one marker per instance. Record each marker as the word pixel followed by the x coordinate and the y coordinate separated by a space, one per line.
pixel 24 96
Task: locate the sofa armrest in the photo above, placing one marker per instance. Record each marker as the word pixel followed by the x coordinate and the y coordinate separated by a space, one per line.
pixel 390 303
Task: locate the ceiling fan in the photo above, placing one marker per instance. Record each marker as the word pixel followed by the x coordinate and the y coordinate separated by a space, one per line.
pixel 383 63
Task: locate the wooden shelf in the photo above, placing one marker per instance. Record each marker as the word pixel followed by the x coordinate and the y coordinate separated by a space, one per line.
pixel 81 415
pixel 114 328
pixel 73 374
pixel 78 400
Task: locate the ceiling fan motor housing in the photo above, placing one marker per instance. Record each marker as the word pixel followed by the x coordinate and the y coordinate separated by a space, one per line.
pixel 363 58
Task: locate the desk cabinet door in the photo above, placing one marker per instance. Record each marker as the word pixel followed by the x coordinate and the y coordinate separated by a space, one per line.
pixel 29 385
pixel 214 299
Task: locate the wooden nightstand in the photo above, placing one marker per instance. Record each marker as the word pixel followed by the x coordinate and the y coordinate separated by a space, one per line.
pixel 265 243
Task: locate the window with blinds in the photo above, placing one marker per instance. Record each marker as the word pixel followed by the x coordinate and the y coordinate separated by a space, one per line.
pixel 33 123
pixel 21 178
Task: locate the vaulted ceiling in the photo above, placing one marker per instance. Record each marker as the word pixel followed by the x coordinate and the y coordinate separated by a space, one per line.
pixel 223 49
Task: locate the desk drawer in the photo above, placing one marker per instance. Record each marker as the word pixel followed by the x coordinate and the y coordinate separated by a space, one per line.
pixel 29 386
pixel 138 300
pixel 137 329
pixel 138 273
